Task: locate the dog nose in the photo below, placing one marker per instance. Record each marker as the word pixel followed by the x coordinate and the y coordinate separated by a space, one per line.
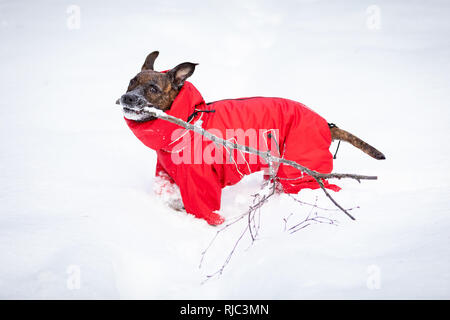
pixel 130 98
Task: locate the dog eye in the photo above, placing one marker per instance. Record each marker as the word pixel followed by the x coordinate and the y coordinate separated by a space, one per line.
pixel 153 89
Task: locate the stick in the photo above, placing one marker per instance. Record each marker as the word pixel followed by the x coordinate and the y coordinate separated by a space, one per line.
pixel 266 155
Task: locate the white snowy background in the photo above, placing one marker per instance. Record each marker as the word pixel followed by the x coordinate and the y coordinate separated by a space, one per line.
pixel 78 218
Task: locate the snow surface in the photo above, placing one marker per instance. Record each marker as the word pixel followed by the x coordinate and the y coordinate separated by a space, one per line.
pixel 79 219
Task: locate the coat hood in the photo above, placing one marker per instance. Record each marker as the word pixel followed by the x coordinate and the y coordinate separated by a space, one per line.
pixel 157 134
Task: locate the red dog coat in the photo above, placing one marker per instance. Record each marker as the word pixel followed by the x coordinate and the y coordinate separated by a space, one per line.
pixel 201 168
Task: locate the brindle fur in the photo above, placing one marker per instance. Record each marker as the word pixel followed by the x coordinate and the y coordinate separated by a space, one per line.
pixel 160 90
pixel 157 88
pixel 151 88
pixel 339 134
pixel 150 61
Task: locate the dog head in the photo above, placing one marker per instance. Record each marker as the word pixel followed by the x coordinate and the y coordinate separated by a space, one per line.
pixel 153 89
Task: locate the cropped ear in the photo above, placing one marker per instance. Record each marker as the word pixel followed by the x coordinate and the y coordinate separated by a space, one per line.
pixel 181 72
pixel 149 61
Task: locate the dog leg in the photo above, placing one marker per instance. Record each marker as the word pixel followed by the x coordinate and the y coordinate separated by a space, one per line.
pixel 168 191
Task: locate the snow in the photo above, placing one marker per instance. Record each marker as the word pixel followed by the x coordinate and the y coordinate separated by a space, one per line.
pixel 168 192
pixel 79 218
pixel 198 123
pixel 154 110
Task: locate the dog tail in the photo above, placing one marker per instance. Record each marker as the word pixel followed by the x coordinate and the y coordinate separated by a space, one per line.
pixel 339 134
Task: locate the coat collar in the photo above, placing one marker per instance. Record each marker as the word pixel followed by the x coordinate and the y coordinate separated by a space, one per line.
pixel 158 134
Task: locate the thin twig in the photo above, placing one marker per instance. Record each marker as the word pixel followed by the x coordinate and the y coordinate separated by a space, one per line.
pixel 259 201
pixel 266 155
pixel 248 227
pixel 316 206
pixel 309 220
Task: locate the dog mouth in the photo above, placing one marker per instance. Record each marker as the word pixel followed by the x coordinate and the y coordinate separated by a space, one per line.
pixel 137 113
pixel 133 109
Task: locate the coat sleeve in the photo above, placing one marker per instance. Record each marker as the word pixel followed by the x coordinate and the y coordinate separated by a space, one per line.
pixel 163 182
pixel 160 171
pixel 200 191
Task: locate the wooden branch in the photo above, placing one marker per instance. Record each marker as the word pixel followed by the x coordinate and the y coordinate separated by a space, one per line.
pixel 311 219
pixel 258 202
pixel 266 155
pixel 314 205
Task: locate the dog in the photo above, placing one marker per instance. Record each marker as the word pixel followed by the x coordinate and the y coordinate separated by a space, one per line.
pixel 196 168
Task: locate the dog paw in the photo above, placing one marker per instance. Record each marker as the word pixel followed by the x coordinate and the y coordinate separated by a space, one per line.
pixel 176 204
pixel 214 219
pixel 169 193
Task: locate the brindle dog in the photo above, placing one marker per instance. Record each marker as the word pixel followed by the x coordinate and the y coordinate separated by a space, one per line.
pixel 159 90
